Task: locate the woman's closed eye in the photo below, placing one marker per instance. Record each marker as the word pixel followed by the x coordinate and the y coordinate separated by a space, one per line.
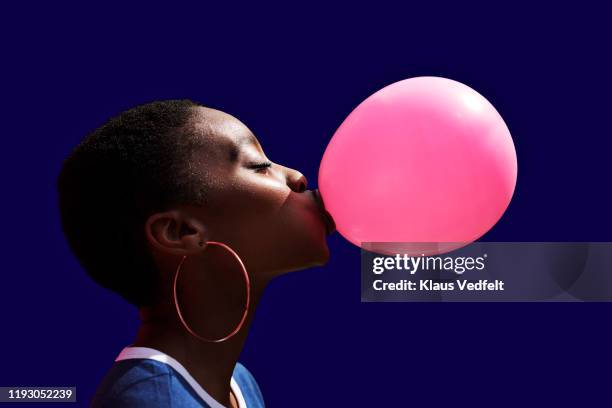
pixel 261 167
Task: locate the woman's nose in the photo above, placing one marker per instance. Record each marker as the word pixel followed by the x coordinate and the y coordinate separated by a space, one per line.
pixel 296 181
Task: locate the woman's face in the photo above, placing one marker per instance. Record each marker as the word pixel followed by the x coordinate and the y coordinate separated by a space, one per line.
pixel 259 208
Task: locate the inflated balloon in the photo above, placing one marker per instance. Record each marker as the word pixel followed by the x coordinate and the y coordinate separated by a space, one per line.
pixel 424 160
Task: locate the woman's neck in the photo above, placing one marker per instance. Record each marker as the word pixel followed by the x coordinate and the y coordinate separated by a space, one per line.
pixel 210 364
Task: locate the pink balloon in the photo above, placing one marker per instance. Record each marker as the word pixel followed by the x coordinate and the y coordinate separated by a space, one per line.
pixel 423 160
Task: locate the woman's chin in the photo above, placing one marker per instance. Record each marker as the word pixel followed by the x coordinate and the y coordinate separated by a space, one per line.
pixel 319 255
pixel 324 255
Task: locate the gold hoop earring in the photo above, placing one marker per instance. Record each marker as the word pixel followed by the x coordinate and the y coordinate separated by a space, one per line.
pixel 246 305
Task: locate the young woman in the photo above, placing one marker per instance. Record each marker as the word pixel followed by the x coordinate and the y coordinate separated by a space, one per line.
pixel 176 207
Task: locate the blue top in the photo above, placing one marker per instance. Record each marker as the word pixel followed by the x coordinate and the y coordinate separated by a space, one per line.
pixel 149 382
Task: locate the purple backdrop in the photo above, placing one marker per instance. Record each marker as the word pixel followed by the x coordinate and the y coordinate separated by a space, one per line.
pixel 292 73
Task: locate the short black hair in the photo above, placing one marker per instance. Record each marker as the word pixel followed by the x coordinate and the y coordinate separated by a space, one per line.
pixel 137 163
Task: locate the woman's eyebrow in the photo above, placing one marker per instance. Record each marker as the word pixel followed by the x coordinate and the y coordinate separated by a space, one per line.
pixel 250 139
pixel 247 139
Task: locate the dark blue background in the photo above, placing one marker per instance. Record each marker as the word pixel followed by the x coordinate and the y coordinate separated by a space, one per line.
pixel 292 73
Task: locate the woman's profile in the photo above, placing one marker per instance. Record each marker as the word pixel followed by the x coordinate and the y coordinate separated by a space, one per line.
pixel 175 207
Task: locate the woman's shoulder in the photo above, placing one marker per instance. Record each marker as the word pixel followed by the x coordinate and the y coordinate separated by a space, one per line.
pixel 138 382
pixel 241 372
pixel 248 386
pixel 147 382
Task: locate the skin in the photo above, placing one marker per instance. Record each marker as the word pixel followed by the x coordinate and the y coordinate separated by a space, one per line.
pixel 265 214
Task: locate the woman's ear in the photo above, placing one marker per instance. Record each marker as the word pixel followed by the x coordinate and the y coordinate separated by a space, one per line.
pixel 175 232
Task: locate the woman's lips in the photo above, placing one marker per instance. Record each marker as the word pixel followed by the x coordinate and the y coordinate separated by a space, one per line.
pixel 330 225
